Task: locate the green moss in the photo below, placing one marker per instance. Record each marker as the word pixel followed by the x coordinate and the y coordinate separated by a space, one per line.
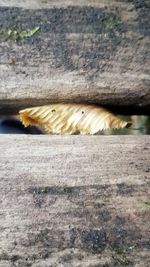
pixel 119 256
pixel 118 250
pixel 17 35
pixel 110 23
pixel 122 260
pixel 147 202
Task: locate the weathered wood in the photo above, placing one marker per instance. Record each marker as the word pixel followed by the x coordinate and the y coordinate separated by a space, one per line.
pixel 43 4
pixel 74 201
pixel 86 51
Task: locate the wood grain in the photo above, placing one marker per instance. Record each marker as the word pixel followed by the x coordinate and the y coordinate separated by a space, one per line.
pixel 74 201
pixel 85 51
pixel 43 4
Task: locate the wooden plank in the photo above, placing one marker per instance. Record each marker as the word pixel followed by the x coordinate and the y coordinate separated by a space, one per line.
pixel 95 52
pixel 74 201
pixel 38 4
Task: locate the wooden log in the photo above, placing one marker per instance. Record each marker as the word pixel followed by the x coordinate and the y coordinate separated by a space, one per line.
pixel 74 201
pixel 85 51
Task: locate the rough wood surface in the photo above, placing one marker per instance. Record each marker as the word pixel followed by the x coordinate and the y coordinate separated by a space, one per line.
pixel 74 201
pixel 85 51
pixel 44 4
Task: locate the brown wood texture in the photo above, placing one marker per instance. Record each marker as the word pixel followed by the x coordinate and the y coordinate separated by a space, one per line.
pixel 86 51
pixel 74 201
